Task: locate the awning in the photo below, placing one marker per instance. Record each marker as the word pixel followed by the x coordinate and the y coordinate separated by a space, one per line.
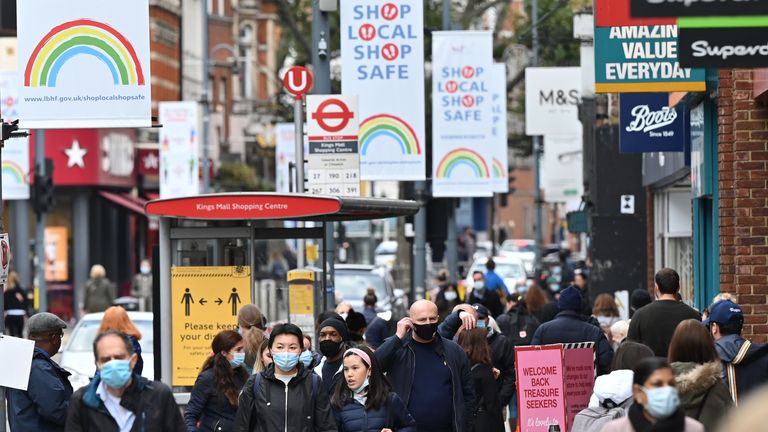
pixel 263 206
pixel 134 204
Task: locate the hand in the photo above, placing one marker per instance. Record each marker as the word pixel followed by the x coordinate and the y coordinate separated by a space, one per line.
pixel 386 430
pixel 468 317
pixel 496 373
pixel 403 326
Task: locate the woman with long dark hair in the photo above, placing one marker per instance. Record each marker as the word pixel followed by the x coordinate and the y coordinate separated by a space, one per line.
pixel 214 400
pixel 366 403
pixel 703 394
pixel 488 411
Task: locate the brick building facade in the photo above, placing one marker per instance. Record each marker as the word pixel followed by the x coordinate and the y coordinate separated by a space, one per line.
pixel 743 167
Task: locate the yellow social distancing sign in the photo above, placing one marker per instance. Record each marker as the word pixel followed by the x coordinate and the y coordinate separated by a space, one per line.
pixel 205 302
pixel 301 299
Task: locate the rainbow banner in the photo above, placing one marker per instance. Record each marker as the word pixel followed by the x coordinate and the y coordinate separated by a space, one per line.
pixel 15 169
pixel 84 64
pixel 462 114
pixel 382 46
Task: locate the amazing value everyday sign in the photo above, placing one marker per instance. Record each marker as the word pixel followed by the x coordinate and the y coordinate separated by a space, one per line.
pixel 642 59
pixel 462 114
pixel 84 64
pixel 382 62
pixel 648 124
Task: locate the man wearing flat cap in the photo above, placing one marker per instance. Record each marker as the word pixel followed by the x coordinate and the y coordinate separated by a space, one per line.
pixel 43 407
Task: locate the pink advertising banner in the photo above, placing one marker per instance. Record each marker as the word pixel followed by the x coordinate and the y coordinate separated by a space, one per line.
pixel 540 387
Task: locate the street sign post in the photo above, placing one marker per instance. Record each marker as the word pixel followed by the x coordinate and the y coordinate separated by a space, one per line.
pixel 298 81
pixel 334 159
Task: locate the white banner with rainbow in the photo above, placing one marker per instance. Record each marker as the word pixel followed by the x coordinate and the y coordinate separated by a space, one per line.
pixel 382 62
pixel 84 64
pixel 462 114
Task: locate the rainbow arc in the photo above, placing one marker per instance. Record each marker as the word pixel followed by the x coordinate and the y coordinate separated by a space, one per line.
pixel 83 37
pixel 462 157
pixel 374 128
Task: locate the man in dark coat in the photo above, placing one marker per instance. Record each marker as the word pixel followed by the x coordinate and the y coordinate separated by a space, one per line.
pixel 570 327
pixel 118 399
pixel 745 363
pixel 43 407
pixel 429 372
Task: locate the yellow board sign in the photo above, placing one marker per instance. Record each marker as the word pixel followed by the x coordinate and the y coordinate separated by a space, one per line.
pixel 301 299
pixel 205 301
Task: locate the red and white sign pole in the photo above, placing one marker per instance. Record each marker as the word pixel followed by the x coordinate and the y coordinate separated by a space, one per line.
pixel 298 82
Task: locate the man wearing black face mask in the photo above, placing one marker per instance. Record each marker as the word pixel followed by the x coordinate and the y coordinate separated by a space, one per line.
pixel 430 374
pixel 333 338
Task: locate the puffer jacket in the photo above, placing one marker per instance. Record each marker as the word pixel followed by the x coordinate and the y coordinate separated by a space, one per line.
pixel 398 361
pixel 152 403
pixel 269 410
pixel 353 417
pixel 703 394
pixel 209 406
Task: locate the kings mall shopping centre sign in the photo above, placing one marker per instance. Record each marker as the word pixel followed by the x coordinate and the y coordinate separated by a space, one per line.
pixel 691 8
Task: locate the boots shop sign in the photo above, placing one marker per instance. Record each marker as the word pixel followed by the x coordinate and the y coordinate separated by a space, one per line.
pixel 648 124
pixel 691 8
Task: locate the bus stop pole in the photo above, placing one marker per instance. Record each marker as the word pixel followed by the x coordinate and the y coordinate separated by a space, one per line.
pixel 165 301
pixel 298 118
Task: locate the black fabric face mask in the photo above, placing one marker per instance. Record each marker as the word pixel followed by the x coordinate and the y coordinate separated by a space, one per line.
pixel 425 331
pixel 330 348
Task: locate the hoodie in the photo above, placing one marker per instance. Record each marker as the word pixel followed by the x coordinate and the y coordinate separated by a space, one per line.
pixel 615 387
pixel 750 364
pixel 703 394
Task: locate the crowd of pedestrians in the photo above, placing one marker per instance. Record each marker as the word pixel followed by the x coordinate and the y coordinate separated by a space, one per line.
pixel 448 367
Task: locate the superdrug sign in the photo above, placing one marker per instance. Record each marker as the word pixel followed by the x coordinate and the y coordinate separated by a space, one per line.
pixel 723 47
pixel 692 8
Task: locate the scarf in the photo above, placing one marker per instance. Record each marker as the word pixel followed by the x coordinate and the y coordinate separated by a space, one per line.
pixel 674 423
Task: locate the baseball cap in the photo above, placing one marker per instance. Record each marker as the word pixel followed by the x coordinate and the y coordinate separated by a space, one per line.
pixel 482 311
pixel 723 312
pixel 44 322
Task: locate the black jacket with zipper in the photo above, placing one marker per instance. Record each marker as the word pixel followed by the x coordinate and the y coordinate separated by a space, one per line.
pixel 209 406
pixel 398 361
pixel 276 407
pixel 152 403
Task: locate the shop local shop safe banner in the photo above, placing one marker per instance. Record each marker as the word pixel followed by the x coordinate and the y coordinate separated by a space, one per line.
pixel 84 63
pixel 461 114
pixel 382 47
pixel 500 154
pixel 204 302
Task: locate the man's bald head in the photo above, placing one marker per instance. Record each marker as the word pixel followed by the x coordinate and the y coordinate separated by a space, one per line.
pixel 424 312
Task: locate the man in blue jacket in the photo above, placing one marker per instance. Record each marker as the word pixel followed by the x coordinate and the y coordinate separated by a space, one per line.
pixel 430 374
pixel 43 407
pixel 569 326
pixel 745 363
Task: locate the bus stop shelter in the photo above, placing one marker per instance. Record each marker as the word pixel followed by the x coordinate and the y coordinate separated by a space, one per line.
pixel 229 226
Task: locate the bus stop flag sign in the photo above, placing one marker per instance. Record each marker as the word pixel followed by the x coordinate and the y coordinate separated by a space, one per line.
pixel 334 157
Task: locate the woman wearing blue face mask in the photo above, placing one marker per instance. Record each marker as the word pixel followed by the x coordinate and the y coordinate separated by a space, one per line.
pixel 447 299
pixel 213 403
pixel 657 403
pixel 366 403
pixel 264 403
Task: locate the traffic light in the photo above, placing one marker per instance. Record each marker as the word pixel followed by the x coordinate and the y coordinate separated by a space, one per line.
pixel 43 197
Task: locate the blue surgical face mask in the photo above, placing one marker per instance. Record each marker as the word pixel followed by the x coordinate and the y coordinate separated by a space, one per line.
pixel 450 295
pixel 479 285
pixel 481 324
pixel 306 358
pixel 662 401
pixel 285 361
pixel 237 360
pixel 362 387
pixel 145 269
pixel 116 373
